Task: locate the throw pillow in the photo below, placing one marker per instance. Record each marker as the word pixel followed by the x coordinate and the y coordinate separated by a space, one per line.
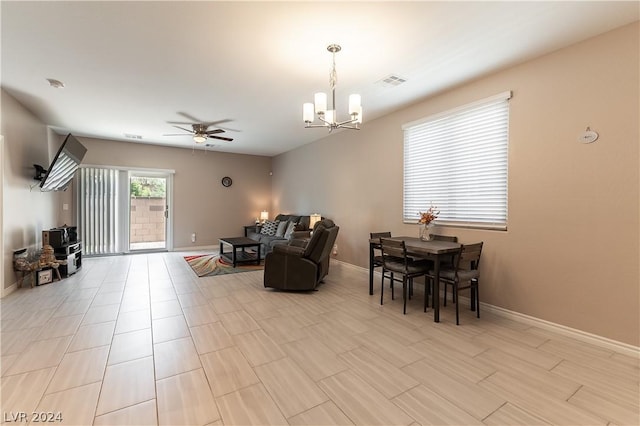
pixel 269 227
pixel 290 228
pixel 282 227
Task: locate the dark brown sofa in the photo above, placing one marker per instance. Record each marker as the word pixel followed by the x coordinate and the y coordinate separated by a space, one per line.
pixel 302 264
pixel 268 242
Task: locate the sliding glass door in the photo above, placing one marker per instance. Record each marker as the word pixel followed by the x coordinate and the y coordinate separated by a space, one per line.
pixel 123 211
pixel 148 211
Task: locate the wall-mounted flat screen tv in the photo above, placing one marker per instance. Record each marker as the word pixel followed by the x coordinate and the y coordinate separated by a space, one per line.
pixel 64 165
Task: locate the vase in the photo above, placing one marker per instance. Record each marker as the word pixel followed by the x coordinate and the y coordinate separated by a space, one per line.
pixel 425 232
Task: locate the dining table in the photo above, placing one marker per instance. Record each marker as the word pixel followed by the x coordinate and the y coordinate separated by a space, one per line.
pixel 434 250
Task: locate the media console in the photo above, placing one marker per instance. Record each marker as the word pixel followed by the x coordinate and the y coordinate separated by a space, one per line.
pixel 72 253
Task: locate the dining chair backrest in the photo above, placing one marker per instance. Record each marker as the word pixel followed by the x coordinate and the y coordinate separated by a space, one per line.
pixel 450 238
pixel 373 235
pixel 393 249
pixel 469 256
pixel 378 235
pixel 377 260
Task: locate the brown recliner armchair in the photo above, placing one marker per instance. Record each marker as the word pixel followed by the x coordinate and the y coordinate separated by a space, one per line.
pixel 301 267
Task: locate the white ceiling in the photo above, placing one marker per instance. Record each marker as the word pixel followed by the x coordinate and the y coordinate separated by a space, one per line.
pixel 131 67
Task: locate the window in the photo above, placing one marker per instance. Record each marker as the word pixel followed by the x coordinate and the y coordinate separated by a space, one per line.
pixel 457 161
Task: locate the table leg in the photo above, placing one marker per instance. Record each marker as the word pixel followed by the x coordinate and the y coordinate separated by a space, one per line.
pixel 370 268
pixel 233 250
pixel 258 254
pixel 436 289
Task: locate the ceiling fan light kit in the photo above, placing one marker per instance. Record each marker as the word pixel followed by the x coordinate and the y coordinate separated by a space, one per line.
pixel 200 132
pixel 327 115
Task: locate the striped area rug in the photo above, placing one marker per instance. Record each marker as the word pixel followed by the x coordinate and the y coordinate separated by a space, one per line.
pixel 208 265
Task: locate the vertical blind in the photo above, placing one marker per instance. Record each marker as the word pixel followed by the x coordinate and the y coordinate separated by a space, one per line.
pixel 457 161
pixel 98 208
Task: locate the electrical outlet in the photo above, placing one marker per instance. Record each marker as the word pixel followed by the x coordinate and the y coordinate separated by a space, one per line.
pixel 335 249
pixel 193 237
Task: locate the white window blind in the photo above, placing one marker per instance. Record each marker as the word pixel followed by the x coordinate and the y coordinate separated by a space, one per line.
pixel 457 161
pixel 98 208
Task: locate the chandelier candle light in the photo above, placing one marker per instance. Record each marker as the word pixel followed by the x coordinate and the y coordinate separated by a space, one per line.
pixel 328 116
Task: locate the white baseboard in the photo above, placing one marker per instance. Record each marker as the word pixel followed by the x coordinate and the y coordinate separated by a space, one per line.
pixel 594 339
pixel 351 265
pixel 7 291
pixel 583 336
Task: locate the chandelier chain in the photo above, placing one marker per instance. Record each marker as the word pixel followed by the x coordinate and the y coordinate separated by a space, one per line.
pixel 333 75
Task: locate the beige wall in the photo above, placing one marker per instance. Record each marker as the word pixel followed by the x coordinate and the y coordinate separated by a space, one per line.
pixel 570 255
pixel 26 210
pixel 201 204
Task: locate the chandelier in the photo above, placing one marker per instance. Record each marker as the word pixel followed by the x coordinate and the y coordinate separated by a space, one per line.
pixel 326 115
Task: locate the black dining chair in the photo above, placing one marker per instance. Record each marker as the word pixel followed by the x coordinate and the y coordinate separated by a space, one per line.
pixel 377 256
pixel 464 274
pixel 378 263
pixel 395 259
pixel 443 262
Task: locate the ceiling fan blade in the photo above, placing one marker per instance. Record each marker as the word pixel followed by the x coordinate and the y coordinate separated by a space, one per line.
pixel 175 134
pixel 205 124
pixel 194 120
pixel 214 131
pixel 189 117
pixel 184 123
pixel 215 123
pixel 186 130
pixel 221 138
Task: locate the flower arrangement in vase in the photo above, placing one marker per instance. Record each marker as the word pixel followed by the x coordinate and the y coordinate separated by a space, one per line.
pixel 425 220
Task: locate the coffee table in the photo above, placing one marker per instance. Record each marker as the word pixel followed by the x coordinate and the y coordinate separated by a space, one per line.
pixel 238 254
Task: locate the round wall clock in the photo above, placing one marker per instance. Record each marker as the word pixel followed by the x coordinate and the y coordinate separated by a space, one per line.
pixel 226 181
pixel 588 136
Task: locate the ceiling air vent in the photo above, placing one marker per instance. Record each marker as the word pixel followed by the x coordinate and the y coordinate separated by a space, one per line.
pixel 132 136
pixel 392 80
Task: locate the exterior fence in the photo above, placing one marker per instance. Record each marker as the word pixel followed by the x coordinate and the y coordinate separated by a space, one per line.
pixel 147 219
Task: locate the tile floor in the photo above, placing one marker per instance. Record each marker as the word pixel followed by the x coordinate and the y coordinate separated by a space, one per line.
pixel 140 340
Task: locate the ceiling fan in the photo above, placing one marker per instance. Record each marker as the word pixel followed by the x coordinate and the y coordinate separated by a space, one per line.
pixel 200 130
